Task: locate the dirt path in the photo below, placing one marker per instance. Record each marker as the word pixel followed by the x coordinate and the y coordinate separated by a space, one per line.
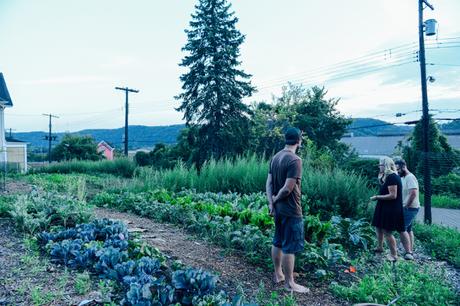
pixel 233 271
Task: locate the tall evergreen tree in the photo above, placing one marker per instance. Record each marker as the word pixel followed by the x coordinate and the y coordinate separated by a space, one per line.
pixel 213 87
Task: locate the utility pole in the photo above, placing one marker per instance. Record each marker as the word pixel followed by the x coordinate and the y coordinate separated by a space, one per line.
pixel 11 132
pixel 126 90
pixel 425 116
pixel 49 137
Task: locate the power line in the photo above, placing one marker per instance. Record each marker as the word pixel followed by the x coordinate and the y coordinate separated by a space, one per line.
pixel 434 64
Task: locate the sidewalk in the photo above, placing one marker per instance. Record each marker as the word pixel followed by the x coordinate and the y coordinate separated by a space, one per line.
pixel 442 216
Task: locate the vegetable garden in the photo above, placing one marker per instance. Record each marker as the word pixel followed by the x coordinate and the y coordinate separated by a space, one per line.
pixel 58 215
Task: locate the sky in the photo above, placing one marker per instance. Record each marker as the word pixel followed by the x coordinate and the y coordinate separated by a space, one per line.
pixel 66 57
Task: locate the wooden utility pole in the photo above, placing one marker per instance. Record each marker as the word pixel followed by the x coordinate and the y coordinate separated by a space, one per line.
pixel 49 137
pixel 126 90
pixel 425 116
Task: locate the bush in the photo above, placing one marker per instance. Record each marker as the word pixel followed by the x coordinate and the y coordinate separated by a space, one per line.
pixel 447 184
pixel 441 242
pixel 335 192
pixel 120 167
pixel 365 167
pixel 38 212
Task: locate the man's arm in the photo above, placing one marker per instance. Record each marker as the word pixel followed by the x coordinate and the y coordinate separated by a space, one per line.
pixel 286 190
pixel 269 192
pixel 269 189
pixel 412 196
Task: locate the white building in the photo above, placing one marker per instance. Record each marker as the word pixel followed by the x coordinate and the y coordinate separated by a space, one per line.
pixel 13 153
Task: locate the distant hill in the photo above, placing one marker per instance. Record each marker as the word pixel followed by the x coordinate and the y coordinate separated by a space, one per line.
pixel 374 127
pixel 147 136
pixel 451 126
pixel 139 136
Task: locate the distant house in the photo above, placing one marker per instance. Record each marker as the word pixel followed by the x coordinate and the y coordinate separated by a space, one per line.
pixel 386 145
pixel 13 152
pixel 106 150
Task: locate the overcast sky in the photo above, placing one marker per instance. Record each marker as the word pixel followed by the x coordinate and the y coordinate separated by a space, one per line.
pixel 65 57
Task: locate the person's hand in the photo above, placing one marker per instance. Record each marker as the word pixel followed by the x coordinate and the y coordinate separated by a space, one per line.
pixel 271 209
pixel 373 198
pixel 274 199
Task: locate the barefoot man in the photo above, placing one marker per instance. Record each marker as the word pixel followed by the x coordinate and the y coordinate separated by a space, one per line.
pixel 283 193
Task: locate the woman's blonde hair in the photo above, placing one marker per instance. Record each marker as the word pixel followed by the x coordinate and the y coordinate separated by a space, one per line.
pixel 389 168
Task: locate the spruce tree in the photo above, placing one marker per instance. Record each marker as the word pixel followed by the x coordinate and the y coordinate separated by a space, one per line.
pixel 214 86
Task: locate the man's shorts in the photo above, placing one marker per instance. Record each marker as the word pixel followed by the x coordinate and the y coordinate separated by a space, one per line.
pixel 289 235
pixel 409 216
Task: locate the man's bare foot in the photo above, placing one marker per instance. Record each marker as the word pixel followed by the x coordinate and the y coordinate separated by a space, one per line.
pixel 278 278
pixel 296 288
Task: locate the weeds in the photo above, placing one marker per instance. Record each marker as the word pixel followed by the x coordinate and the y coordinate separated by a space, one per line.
pixel 414 284
pixel 82 283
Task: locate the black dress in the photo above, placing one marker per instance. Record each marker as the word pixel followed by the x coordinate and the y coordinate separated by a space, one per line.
pixel 388 214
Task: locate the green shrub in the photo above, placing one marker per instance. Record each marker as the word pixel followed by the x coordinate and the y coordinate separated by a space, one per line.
pixel 414 284
pixel 364 167
pixel 5 205
pixel 335 192
pixel 120 167
pixel 442 201
pixel 447 184
pixel 439 241
pixel 34 212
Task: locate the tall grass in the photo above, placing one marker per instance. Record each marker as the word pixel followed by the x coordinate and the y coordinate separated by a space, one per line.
pixel 329 191
pixel 120 167
pixel 335 191
pixel 442 201
pixel 244 175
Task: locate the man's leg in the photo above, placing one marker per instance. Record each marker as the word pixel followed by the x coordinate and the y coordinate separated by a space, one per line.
pixel 288 265
pixel 276 257
pixel 411 238
pixel 405 239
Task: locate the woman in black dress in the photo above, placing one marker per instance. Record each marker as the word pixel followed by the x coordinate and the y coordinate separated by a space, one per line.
pixel 388 214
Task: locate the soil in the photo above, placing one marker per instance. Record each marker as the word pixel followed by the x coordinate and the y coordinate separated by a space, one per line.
pixel 12 187
pixel 26 278
pixel 232 269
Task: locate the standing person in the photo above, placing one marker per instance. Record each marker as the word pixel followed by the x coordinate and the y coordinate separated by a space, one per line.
pixel 283 194
pixel 411 202
pixel 388 214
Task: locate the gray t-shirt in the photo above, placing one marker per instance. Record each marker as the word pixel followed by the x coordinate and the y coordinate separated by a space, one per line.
pixel 284 165
pixel 410 182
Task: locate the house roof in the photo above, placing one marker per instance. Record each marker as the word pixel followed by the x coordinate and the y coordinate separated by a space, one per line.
pixel 5 98
pixel 386 145
pixel 105 144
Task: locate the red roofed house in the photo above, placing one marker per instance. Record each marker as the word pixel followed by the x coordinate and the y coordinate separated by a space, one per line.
pixel 106 150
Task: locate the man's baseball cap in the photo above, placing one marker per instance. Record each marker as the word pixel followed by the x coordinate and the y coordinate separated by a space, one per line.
pixel 292 136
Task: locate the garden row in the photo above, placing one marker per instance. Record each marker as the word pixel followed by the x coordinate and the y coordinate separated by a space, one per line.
pixel 105 248
pixel 332 247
